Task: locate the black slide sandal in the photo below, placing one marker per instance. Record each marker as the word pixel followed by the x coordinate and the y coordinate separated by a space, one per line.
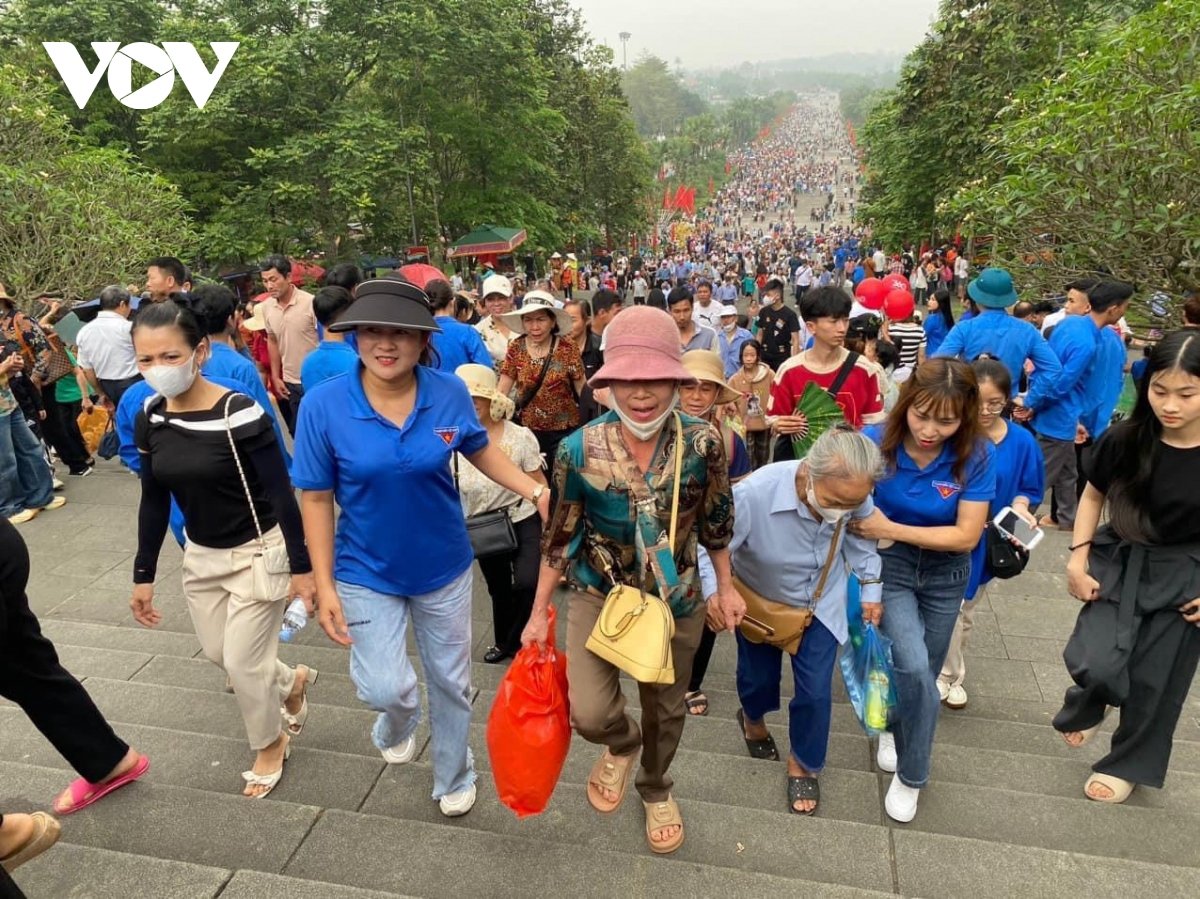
pixel 759 749
pixel 801 788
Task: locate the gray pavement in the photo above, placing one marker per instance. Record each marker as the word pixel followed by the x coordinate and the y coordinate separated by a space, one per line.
pixel 1003 816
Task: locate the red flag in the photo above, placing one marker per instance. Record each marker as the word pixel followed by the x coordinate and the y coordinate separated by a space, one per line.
pixel 667 199
pixel 691 201
pixel 680 201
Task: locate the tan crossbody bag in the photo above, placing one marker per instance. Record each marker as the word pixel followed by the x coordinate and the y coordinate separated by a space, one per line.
pixel 776 623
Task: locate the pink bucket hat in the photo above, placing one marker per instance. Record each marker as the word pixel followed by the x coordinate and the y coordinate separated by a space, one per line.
pixel 641 344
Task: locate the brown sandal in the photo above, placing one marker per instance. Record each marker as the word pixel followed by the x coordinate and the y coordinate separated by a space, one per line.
pixel 612 773
pixel 660 815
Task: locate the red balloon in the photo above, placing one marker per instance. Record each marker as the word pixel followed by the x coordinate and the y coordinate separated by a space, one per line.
pixel 870 293
pixel 898 305
pixel 896 282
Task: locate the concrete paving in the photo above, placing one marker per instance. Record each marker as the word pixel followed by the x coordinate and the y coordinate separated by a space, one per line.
pixel 1003 816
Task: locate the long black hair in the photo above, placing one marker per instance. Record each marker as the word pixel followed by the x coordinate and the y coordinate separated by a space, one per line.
pixel 945 307
pixel 168 314
pixel 1139 440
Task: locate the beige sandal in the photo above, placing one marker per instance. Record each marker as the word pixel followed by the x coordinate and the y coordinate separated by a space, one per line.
pixel 660 815
pixel 46 831
pixel 612 773
pixel 1120 788
pixel 1087 734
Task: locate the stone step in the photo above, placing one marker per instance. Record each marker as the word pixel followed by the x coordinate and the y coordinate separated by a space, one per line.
pixel 171 822
pixel 72 871
pixel 426 860
pixel 939 866
pixel 257 885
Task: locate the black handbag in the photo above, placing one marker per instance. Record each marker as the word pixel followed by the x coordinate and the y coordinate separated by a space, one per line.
pixel 1003 559
pixel 491 533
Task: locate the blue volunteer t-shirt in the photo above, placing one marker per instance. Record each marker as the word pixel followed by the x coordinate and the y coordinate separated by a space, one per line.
pixel 330 359
pixel 401 531
pixel 928 497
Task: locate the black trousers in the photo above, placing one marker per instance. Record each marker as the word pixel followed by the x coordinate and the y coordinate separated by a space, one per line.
pixel 8 889
pixel 511 581
pixel 32 677
pixel 548 442
pixel 290 408
pixel 700 662
pixel 114 390
pixel 62 430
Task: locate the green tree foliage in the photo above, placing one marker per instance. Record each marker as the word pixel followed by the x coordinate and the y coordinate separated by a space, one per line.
pixel 330 111
pixel 1104 158
pixel 75 217
pixel 928 136
pixel 658 98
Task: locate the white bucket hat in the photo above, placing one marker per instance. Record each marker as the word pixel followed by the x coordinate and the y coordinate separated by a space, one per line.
pixel 538 301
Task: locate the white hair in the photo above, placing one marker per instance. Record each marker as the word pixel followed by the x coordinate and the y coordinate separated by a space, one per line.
pixel 843 453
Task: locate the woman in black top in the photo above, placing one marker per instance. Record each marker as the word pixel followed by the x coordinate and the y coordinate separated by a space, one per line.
pixel 1137 639
pixel 235 568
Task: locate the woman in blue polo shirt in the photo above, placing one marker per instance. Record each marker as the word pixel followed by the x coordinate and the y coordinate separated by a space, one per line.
pixel 379 440
pixel 930 511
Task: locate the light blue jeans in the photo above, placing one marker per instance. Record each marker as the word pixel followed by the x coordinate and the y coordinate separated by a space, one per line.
pixel 386 681
pixel 25 479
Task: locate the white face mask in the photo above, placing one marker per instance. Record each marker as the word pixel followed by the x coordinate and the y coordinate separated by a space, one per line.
pixel 646 430
pixel 829 516
pixel 172 380
pixel 730 327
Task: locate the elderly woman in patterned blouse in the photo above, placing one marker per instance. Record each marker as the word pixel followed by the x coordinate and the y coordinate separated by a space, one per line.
pixel 596 519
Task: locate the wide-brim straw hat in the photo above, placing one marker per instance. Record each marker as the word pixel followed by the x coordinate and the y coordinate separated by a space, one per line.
pixel 641 344
pixel 387 303
pixel 257 320
pixel 705 365
pixel 482 382
pixel 538 301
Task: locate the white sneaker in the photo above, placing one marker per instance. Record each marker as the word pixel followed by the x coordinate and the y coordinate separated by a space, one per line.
pixel 901 801
pixel 943 689
pixel 58 485
pixel 56 502
pixel 23 516
pixel 401 752
pixel 455 804
pixel 885 755
pixel 957 698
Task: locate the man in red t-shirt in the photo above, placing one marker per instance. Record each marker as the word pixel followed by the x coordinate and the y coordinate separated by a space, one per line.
pixel 826 313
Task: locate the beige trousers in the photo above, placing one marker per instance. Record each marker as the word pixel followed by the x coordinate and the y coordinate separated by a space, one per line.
pixel 240 635
pixel 598 705
pixel 954 669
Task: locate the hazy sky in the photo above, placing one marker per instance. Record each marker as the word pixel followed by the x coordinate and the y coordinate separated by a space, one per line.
pixel 706 33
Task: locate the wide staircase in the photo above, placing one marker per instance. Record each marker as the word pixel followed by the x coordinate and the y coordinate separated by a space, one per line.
pixel 1004 815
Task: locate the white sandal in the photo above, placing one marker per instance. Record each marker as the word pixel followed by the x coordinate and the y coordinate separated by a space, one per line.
pixel 295 723
pixel 270 781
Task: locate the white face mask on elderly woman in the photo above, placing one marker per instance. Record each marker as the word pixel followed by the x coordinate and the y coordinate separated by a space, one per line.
pixel 829 516
pixel 644 430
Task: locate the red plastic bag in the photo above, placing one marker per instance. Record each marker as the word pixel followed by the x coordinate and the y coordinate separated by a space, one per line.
pixel 529 728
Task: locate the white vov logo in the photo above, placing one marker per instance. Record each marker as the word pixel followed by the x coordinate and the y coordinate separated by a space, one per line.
pixel 171 58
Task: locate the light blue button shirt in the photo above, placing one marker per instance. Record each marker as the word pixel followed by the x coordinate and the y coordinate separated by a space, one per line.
pixel 779 548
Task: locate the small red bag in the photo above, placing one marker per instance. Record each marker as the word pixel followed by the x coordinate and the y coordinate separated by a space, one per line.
pixel 529 728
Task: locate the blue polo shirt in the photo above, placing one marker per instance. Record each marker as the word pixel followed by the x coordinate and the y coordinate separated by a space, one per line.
pixel 1104 383
pixel 228 364
pixel 457 344
pixel 1061 402
pixel 330 359
pixel 1008 339
pixel 928 497
pixel 401 531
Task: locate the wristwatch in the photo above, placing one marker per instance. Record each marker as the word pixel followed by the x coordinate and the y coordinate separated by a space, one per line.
pixel 537 493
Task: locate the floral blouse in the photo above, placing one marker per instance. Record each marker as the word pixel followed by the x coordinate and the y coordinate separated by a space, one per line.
pixel 595 513
pixel 554 407
pixel 29 336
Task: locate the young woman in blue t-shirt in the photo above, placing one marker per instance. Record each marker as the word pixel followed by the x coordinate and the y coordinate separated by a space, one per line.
pixel 930 512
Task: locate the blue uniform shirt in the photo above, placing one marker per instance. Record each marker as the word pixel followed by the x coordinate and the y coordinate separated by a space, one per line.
pixel 935 332
pixel 1020 471
pixel 1061 402
pixel 1104 383
pixel 401 531
pixel 928 497
pixel 1009 339
pixel 226 362
pixel 330 359
pixel 457 344
pixel 731 348
pixel 779 548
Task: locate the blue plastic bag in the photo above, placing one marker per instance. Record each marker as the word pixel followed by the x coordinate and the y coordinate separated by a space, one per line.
pixel 870 680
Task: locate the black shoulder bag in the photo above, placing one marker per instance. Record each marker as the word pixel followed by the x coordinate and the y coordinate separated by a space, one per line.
pixel 529 394
pixel 490 533
pixel 1003 559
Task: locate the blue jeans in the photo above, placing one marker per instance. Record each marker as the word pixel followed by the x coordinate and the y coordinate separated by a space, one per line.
pixel 385 679
pixel 25 480
pixel 922 593
pixel 811 709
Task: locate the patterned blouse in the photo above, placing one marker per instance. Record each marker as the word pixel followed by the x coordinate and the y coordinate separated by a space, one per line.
pixel 596 510
pixel 554 407
pixel 30 338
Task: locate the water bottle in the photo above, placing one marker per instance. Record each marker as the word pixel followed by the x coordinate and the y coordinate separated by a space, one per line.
pixel 877 691
pixel 294 620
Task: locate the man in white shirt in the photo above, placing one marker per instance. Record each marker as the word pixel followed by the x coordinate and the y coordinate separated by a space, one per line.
pixel 106 347
pixel 962 269
pixel 641 289
pixel 706 313
pixel 879 260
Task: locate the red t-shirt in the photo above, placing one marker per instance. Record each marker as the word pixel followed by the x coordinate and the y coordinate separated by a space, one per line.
pixel 859 394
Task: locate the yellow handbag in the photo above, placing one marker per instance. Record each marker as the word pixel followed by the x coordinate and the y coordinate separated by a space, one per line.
pixel 635 628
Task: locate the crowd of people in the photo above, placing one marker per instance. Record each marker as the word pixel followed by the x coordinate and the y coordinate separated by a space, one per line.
pixel 749 461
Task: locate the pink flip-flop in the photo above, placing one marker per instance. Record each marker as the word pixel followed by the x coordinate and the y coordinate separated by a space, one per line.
pixel 82 793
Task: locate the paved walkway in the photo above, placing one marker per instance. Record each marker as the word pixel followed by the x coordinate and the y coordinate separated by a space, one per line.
pixel 1004 815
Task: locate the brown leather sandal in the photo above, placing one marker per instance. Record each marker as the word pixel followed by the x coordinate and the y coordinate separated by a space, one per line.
pixel 612 773
pixel 660 815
